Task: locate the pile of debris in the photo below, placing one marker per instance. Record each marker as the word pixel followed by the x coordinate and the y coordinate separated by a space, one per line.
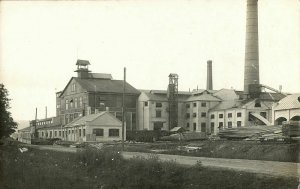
pixel 185 136
pixel 253 133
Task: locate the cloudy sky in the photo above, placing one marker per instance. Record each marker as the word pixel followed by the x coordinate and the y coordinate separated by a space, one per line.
pixel 41 41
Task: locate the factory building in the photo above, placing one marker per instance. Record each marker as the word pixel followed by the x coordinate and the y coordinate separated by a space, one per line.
pixel 287 109
pixel 153 109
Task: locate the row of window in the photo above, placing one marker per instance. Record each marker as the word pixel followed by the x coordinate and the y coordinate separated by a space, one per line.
pixel 229 124
pixel 62 133
pixel 111 132
pixel 203 104
pixel 203 126
pixel 76 103
pixel 229 115
pixel 157 104
pixel 203 114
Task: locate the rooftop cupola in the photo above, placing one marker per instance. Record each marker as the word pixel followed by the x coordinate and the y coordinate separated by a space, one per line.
pixel 82 68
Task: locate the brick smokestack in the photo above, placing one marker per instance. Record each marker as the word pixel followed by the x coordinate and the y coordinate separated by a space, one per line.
pixel 251 72
pixel 209 82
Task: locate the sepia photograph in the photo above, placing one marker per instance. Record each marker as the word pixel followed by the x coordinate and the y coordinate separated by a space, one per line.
pixel 150 94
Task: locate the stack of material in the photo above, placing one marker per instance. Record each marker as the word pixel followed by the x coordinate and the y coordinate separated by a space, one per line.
pixel 291 129
pixel 185 136
pixel 254 132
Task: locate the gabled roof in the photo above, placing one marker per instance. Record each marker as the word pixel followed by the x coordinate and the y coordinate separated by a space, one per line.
pixel 228 104
pixel 92 117
pixel 161 95
pixel 106 86
pixel 226 94
pixel 203 97
pixel 289 102
pixel 103 86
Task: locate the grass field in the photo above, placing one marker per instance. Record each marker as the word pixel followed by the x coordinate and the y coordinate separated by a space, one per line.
pixel 108 170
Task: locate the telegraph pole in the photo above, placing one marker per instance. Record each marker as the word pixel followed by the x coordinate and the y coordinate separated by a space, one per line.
pixel 123 109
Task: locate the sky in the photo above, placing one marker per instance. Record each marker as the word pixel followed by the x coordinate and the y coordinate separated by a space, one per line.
pixel 40 42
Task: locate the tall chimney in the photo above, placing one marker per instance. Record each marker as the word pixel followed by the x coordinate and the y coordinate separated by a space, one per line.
pixel 209 83
pixel 251 74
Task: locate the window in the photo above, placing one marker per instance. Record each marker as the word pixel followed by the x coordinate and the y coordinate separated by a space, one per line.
pixel 203 114
pixel 203 127
pixel 72 131
pixel 229 115
pixel 80 101
pixel 83 132
pixel 50 134
pixel 55 133
pixel 212 127
pixel 195 104
pixel 42 134
pixel 69 131
pixel 187 125
pixel 158 113
pixel 80 132
pixel 239 114
pixel 239 124
pixel 194 126
pixel 194 114
pixel 146 103
pixel 263 114
pixel 187 115
pixel 71 103
pixel 113 132
pixel 212 116
pixel 59 133
pixel 73 87
pixel 203 104
pixel 187 105
pixel 67 104
pixel 220 125
pixel 98 132
pixel 75 103
pixel 220 115
pixel 229 124
pixel 257 104
pixel 158 105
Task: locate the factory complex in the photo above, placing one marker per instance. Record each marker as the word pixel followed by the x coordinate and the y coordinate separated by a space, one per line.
pixel 92 106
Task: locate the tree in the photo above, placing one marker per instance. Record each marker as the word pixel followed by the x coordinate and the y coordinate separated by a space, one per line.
pixel 7 123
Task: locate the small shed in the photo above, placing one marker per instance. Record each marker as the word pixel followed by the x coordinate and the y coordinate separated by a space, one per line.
pixel 100 127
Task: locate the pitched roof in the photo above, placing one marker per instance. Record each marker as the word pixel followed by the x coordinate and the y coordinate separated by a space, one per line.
pixel 100 75
pixel 106 86
pixel 226 94
pixel 271 96
pixel 89 118
pixel 227 105
pixel 82 62
pixel 203 97
pixel 289 102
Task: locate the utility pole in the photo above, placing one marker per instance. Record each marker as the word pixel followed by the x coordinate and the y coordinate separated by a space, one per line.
pixel 123 109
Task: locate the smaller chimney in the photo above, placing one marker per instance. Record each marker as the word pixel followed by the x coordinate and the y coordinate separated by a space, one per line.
pixel 209 83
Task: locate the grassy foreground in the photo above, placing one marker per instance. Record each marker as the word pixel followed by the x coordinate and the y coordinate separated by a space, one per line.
pixel 108 170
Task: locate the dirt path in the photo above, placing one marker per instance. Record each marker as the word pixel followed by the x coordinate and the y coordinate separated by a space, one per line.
pixel 272 168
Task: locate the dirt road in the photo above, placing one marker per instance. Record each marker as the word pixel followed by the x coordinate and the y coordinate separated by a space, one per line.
pixel 272 168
